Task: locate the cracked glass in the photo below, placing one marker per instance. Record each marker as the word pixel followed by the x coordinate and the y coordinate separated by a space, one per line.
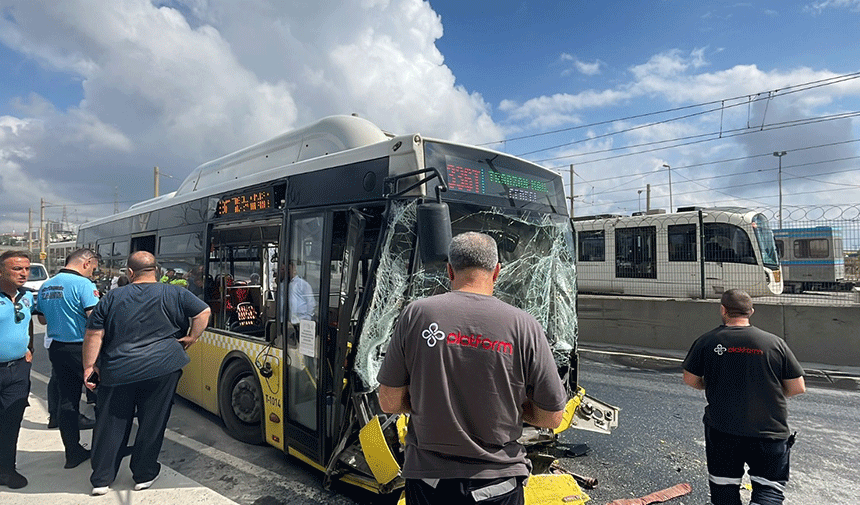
pixel 537 275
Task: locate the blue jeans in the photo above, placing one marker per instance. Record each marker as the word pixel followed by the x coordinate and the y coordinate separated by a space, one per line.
pixel 768 461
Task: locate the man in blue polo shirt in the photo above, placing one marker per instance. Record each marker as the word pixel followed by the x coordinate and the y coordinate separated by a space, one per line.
pixel 64 302
pixel 16 354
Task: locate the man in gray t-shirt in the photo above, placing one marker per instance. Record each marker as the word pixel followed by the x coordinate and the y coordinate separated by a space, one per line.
pixel 469 369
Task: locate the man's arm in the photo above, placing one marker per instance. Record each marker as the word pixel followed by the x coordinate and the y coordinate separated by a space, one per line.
pixel 394 400
pixel 92 347
pixel 541 418
pixel 30 348
pixel 198 324
pixel 792 387
pixel 694 381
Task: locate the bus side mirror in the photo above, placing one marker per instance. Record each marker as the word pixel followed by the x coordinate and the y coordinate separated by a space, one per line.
pixel 434 231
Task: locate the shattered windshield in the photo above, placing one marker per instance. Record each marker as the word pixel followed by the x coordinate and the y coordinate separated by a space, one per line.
pixel 537 275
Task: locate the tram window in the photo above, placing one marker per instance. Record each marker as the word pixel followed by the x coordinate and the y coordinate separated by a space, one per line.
pixel 682 242
pixel 780 248
pixel 811 248
pixel 636 252
pixel 728 243
pixel 592 245
pixel 240 285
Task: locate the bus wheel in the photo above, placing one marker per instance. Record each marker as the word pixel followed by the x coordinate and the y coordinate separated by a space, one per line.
pixel 240 399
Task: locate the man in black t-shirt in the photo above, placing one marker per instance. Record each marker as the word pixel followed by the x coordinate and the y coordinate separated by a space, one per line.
pixel 139 334
pixel 746 374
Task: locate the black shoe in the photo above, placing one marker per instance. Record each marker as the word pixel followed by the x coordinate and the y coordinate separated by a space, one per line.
pixel 77 458
pixel 53 422
pixel 13 479
pixel 85 423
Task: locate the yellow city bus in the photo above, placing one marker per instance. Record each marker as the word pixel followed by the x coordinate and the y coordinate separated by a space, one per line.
pixel 306 247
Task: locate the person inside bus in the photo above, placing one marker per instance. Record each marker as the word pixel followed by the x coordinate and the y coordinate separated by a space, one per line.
pixel 302 300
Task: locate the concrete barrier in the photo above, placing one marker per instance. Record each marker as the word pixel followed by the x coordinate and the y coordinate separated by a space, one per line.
pixel 827 336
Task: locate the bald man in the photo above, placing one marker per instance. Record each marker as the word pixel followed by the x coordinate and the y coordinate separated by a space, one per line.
pixel 139 333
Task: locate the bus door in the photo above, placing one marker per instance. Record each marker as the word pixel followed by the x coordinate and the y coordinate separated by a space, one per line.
pixel 301 294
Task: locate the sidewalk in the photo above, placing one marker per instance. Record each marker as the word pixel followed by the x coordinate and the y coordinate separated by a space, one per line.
pixel 41 458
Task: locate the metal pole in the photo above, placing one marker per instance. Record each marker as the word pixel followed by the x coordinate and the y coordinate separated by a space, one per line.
pixel 42 231
pixel 671 205
pixel 30 230
pixel 640 200
pixel 156 181
pixel 647 198
pixel 780 154
pixel 571 190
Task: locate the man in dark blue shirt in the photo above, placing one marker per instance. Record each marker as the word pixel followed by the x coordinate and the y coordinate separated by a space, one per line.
pixel 16 355
pixel 139 334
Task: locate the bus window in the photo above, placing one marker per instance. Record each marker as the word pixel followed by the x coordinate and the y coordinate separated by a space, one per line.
pixel 682 242
pixel 240 281
pixel 304 270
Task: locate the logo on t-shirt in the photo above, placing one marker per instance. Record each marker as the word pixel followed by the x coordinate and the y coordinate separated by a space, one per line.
pixel 433 334
pixel 740 350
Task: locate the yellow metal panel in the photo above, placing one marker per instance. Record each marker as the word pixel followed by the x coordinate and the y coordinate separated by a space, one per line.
pixel 549 489
pixel 294 452
pixel 402 421
pixel 273 408
pixel 200 378
pixel 569 411
pixel 379 458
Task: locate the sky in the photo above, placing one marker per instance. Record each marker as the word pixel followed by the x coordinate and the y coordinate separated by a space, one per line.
pixel 95 93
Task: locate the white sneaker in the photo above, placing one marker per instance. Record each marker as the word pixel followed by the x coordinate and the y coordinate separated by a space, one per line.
pixel 99 491
pixel 140 486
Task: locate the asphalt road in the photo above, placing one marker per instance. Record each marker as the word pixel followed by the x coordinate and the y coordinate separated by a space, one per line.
pixel 659 443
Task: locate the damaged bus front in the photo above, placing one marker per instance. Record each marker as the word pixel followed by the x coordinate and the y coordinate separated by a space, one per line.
pixel 522 207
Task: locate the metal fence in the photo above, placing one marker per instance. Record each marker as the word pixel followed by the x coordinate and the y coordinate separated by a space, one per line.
pixel 699 253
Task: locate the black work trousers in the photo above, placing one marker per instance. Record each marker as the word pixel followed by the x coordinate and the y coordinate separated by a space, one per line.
pixel 768 461
pixel 67 364
pixel 14 391
pixel 501 491
pixel 153 399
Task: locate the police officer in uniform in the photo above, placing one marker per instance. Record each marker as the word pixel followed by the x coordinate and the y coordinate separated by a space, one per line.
pixel 16 356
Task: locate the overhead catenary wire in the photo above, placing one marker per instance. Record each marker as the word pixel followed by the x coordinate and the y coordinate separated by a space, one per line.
pixel 786 90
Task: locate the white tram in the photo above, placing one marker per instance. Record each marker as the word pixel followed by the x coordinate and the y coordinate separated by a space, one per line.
pixel 693 253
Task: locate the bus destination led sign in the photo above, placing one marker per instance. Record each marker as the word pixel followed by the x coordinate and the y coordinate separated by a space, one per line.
pixel 251 201
pixel 471 176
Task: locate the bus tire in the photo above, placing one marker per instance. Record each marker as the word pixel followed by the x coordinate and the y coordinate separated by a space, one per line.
pixel 240 399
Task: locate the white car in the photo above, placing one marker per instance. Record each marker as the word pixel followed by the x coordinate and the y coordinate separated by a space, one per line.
pixel 38 275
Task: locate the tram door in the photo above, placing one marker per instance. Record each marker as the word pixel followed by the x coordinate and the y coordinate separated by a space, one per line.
pixel 304 278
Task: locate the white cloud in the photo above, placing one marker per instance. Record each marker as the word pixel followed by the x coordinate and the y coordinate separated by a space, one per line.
pixel 818 7
pixel 177 83
pixel 581 66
